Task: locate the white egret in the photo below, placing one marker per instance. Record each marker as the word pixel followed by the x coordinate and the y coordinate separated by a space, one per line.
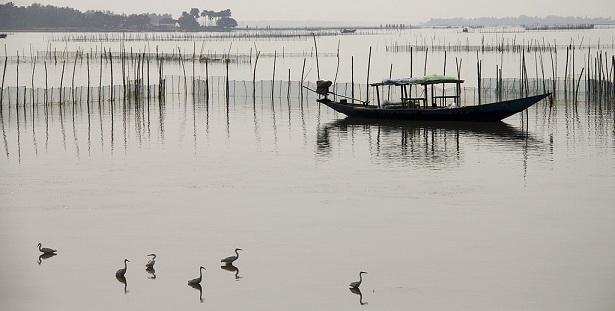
pixel 46 250
pixel 197 280
pixel 122 272
pixel 229 260
pixel 151 262
pixel 358 283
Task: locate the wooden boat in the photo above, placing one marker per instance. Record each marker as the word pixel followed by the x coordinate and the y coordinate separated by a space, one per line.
pixel 431 106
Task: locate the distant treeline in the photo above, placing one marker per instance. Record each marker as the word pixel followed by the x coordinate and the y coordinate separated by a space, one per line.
pixel 522 20
pixel 42 17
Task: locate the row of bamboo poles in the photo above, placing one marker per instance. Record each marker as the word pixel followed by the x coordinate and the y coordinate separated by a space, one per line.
pixel 500 45
pixel 136 71
pixel 236 35
pixel 54 56
pixel 599 67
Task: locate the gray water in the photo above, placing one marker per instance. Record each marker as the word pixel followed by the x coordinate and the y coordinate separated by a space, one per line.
pixel 505 216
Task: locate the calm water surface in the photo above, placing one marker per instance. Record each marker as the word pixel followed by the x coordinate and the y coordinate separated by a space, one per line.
pixel 506 216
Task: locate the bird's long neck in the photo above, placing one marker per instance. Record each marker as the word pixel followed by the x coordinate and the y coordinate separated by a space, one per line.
pixel 237 253
pixel 200 274
pixel 39 248
pixel 154 257
pixel 125 265
pixel 360 278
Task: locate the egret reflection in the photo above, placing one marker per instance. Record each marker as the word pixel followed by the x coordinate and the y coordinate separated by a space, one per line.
pixel 122 279
pixel 357 291
pixel 44 256
pixel 152 273
pixel 198 287
pixel 232 268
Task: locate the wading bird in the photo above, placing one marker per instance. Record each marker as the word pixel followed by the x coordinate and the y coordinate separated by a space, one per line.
pixel 197 281
pixel 122 272
pixel 229 260
pixel 358 283
pixel 45 250
pixel 151 262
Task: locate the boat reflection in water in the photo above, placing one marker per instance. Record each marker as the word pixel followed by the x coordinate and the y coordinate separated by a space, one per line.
pixel 410 143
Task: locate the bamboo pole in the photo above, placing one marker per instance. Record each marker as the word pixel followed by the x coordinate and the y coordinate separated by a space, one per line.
pixel 46 84
pixel 411 62
pixel 100 74
pixel 302 79
pixel 273 73
pixel 72 88
pixel 194 65
pixel 337 69
pixel 425 66
pixel 352 77
pixel 478 69
pixel 207 78
pixel 288 91
pixel 227 82
pixel 369 62
pixel 553 69
pixel 6 58
pixel 87 61
pixel 316 51
pixel 111 75
pixel 17 82
pixel 576 93
pixel 566 72
pixel 32 81
pixel 62 81
pixel 123 63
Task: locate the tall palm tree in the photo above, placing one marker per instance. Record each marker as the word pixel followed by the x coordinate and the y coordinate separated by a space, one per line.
pixel 205 15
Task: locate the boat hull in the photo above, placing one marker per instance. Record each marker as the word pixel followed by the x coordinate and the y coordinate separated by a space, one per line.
pixel 480 113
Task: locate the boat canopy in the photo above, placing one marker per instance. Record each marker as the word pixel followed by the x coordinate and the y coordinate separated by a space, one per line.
pixel 425 80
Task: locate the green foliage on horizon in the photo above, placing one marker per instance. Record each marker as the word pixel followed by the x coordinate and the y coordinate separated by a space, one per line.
pixel 38 16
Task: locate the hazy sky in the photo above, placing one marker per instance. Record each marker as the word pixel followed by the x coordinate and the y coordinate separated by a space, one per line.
pixel 393 11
